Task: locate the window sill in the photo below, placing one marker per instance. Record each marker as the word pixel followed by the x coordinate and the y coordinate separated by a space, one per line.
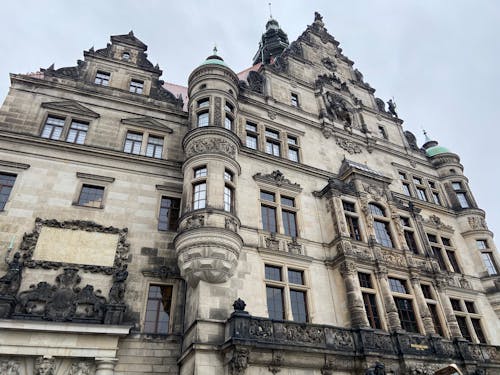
pixel 82 206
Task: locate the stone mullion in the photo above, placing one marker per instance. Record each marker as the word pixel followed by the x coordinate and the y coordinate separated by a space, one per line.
pixel 338 214
pixel 422 306
pixel 451 320
pixel 394 322
pixel 354 296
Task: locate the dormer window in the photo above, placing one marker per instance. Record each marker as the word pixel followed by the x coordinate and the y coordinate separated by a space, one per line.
pixel 125 56
pixel 136 86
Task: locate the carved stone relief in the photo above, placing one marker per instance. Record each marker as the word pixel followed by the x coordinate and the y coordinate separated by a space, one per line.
pixel 45 366
pixel 329 64
pixel 294 247
pixel 276 363
pixel 272 243
pixel 239 361
pixel 349 146
pixel 435 221
pixel 9 367
pixel 81 368
pixel 255 82
pixel 211 145
pixel 477 223
pixel 276 178
pixel 217 112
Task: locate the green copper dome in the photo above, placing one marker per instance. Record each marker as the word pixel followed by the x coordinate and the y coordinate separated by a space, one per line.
pixel 436 150
pixel 214 60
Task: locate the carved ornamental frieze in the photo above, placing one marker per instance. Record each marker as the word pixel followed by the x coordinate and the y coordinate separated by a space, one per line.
pixel 211 145
pixel 348 145
pixel 278 179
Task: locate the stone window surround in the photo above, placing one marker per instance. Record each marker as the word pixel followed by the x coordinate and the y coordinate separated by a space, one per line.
pixel 427 184
pixel 374 290
pixel 173 304
pixel 443 249
pixel 285 285
pixel 283 135
pixel 356 214
pixel 94 180
pixel 434 301
pixel 145 138
pixel 12 168
pixel 198 180
pixel 411 228
pixel 68 119
pixel 410 295
pixel 166 191
pixel 278 192
pixel 468 316
pixel 384 219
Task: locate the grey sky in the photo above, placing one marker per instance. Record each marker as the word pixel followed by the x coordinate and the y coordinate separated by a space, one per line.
pixel 439 59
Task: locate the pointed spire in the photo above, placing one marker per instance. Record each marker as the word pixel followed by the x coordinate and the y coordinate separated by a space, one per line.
pixel 428 141
pixel 91 49
pixel 273 42
pixel 270 11
pixel 426 137
pixel 51 67
pixel 215 50
pixel 131 33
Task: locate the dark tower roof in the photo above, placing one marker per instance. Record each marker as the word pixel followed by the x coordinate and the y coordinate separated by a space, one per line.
pixel 273 42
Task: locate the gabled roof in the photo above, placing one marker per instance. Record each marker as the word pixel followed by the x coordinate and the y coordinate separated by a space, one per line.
pixel 71 106
pixel 129 39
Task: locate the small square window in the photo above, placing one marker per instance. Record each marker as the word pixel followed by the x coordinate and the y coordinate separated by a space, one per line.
pixel 294 98
pixel 228 107
pixel 136 86
pixel 398 285
pixel 481 244
pixel 417 180
pixel 228 175
pixel 91 196
pixel 456 185
pixel 125 56
pixel 251 127
pixel 264 195
pixel 291 140
pixel 469 305
pixel 405 221
pixel 285 201
pixel 446 241
pixel 272 134
pixel 455 304
pixel 295 277
pixel 426 290
pixel 365 280
pixel 203 103
pixel 402 176
pixel 349 206
pixel 432 238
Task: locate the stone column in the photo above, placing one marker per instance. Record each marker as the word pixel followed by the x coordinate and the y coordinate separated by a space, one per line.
pixel 338 216
pixel 451 320
pixel 353 291
pixel 105 366
pixel 394 323
pixel 422 305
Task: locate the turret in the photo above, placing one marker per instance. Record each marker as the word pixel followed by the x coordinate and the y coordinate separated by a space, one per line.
pixel 208 244
pixel 273 42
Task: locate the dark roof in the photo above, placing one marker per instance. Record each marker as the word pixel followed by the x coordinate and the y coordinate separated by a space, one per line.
pixel 129 39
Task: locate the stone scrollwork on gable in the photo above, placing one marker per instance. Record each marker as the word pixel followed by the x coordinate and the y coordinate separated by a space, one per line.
pixel 277 178
pixel 435 222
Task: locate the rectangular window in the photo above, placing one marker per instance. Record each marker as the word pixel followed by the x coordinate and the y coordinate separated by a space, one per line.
pixel 353 226
pixel 203 119
pixel 489 263
pixel 398 285
pixel 199 195
pixel 268 218
pixel 272 134
pixel 228 123
pixel 402 176
pixel 273 148
pixel 462 324
pixel 462 199
pixel 200 172
pixel 382 132
pixel 251 127
pixel 410 241
pixel 294 98
pixel 298 303
pixel 406 314
pixel 289 223
pixel 293 154
pixel 382 233
pixel 228 199
pixel 169 213
pixel 296 277
pixel 432 238
pixel 275 305
pixel 469 305
pixel 348 206
pixel 435 197
pixel 154 149
pixel 453 261
pixel 481 244
pixel 455 304
pixel 251 141
pixel 439 257
pixel 102 78
pixel 203 103
pixel 158 309
pixel 267 196
pixel 228 175
pixel 272 273
pixel 476 324
pixel 77 132
pixel 91 196
pixel 426 291
pixel 136 86
pixel 365 280
pixel 228 107
pixel 371 310
pixel 406 189
pixel 133 143
pixel 53 127
pixel 6 185
pixel 435 319
pixel 421 194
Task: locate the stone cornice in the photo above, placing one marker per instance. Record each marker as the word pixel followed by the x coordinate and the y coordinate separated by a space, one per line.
pixel 13 165
pixel 32 326
pixel 95 177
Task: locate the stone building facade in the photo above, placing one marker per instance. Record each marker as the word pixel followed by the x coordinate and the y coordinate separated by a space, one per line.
pixel 279 220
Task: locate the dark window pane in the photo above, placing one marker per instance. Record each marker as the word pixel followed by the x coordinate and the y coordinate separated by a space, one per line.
pixel 273 273
pixel 455 304
pixel 275 303
pixel 169 213
pixel 287 201
pixel 365 280
pixel 426 290
pixel 298 302
pixel 410 241
pixel 353 225
pixel 376 210
pixel 462 323
pixel 348 206
pixel 476 324
pixel 91 196
pixel 406 314
pixel 6 184
pixel 489 263
pixel 439 257
pixel 421 194
pixel 296 277
pixel 371 310
pixel 435 319
pixel 453 261
pixel 406 189
pixel 267 196
pixel 469 305
pixel 446 241
pixel 432 238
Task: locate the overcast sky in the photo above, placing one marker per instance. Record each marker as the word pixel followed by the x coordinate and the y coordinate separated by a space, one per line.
pixel 439 59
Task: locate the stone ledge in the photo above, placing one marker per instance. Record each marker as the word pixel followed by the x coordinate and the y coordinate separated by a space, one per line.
pixel 24 325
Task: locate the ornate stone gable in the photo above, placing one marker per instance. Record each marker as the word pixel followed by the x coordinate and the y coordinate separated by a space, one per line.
pixel 278 179
pixel 71 106
pixel 147 122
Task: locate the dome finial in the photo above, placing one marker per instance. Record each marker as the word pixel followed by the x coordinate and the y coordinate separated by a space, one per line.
pixel 270 11
pixel 427 138
pixel 215 49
